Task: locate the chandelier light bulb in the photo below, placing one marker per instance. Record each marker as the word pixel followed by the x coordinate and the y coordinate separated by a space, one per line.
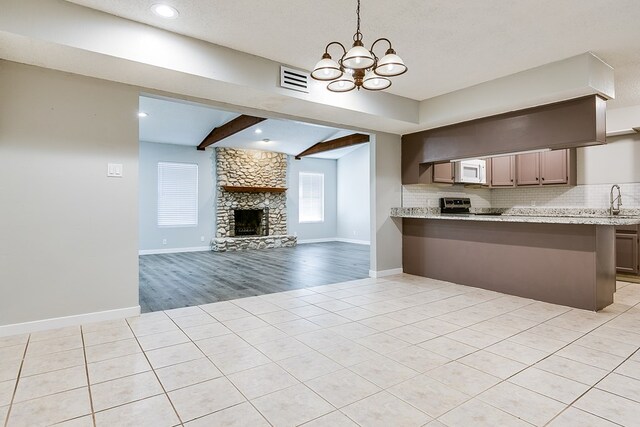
pixel 373 81
pixel 390 65
pixel 326 69
pixel 345 83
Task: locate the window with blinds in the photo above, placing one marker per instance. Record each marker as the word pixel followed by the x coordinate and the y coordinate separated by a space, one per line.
pixel 177 194
pixel 311 203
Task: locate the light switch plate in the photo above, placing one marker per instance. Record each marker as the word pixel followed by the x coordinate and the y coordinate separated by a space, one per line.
pixel 114 170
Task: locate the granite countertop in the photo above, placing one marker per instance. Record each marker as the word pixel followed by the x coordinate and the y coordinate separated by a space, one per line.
pixel 526 215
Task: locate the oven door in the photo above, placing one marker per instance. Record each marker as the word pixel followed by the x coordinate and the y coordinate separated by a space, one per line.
pixel 471 171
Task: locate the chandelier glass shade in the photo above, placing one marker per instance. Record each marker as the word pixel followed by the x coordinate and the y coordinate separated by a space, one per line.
pixel 358 67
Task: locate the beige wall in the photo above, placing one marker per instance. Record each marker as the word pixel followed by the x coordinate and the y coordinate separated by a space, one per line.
pixel 386 193
pixel 68 234
pixel 617 162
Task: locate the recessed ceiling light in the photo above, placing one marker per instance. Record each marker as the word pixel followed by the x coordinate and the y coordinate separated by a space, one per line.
pixel 164 11
pixel 142 114
pixel 258 131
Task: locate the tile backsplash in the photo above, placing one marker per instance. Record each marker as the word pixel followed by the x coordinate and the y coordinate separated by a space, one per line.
pixel 590 196
pixel 421 195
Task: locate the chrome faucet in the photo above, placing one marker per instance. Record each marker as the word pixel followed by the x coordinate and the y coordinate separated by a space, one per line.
pixel 616 210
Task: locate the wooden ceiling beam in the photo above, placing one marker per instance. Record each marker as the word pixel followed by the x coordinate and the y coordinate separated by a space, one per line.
pixel 334 144
pixel 232 127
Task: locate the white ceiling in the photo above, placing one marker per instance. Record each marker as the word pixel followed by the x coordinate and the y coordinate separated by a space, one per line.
pixel 447 44
pixel 185 123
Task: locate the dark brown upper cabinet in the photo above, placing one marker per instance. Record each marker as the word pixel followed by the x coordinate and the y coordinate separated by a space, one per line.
pixel 528 169
pixel 444 173
pixel 501 171
pixel 554 167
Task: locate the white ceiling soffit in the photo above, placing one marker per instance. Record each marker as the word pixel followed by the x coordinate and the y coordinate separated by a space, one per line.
pixel 180 123
pixel 64 36
pixel 447 44
pixel 171 121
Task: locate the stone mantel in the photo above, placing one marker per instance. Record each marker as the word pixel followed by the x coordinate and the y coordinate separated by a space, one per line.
pixel 248 189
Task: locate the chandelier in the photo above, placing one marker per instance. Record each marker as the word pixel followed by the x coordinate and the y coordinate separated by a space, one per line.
pixel 358 67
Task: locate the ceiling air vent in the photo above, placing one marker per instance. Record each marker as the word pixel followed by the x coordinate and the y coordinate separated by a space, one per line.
pixel 294 79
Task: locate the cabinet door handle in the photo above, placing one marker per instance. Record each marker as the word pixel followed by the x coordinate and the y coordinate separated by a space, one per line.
pixel 543 178
pixel 536 178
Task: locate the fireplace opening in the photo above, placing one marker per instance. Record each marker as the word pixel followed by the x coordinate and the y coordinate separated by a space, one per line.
pixel 248 222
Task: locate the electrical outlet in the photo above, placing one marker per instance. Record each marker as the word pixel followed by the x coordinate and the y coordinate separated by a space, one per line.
pixel 533 203
pixel 164 241
pixel 354 232
pixel 202 238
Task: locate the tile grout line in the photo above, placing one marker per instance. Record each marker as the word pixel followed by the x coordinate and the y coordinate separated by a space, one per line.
pixel 15 387
pixel 271 361
pixel 529 366
pixel 155 375
pixel 213 363
pixel 568 344
pixel 86 370
pixel 383 355
pixel 594 386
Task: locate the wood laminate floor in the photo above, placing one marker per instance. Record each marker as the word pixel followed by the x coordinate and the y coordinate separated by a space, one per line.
pixel 186 279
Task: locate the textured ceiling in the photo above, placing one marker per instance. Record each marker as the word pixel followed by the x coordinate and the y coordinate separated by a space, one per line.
pixel 185 123
pixel 447 44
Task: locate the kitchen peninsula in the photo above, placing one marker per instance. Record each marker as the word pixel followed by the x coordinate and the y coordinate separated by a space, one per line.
pixel 567 260
pixel 547 255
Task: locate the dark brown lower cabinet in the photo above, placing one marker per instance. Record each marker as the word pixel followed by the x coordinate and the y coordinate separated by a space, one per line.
pixel 627 255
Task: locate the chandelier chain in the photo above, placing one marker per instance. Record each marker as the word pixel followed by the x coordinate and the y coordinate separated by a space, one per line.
pixel 358 34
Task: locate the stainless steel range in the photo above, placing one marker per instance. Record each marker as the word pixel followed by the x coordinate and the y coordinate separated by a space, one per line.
pixel 455 205
pixel 460 206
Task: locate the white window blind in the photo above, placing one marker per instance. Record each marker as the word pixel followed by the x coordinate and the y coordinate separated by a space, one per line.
pixel 311 197
pixel 177 194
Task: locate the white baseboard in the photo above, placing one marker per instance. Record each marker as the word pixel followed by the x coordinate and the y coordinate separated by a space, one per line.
pixel 357 242
pixel 385 273
pixel 323 240
pixel 173 250
pixel 333 239
pixel 61 322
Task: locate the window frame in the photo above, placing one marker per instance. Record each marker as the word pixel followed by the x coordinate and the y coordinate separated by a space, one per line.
pixel 300 197
pixel 195 166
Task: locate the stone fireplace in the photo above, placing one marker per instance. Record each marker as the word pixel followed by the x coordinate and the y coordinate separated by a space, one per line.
pixel 251 202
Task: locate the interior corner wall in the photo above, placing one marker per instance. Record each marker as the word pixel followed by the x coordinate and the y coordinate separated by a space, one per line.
pixel 386 193
pixel 312 231
pixel 152 236
pixel 68 234
pixel 353 195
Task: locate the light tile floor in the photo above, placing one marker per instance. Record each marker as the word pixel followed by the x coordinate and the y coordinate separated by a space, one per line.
pixel 400 351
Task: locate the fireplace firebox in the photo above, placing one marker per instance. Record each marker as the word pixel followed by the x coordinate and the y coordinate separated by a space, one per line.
pixel 251 222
